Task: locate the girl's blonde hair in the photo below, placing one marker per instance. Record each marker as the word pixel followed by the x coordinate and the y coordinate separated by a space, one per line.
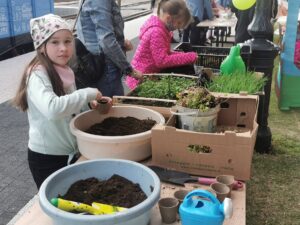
pixel 175 8
pixel 20 99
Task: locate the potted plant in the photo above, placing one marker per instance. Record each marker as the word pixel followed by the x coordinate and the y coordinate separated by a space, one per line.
pixel 197 110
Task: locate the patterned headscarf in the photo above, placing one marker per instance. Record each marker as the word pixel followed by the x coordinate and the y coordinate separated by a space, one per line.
pixel 41 28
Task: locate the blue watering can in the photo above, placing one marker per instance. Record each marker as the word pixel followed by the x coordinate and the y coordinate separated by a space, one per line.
pixel 202 207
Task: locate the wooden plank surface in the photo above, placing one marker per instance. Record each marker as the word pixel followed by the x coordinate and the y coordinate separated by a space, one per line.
pixel 35 216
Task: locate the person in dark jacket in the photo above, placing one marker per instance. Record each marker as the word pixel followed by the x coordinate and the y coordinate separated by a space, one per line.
pixel 245 17
pixel 100 28
pixel 200 10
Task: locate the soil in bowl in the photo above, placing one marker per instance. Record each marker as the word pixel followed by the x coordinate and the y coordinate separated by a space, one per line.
pixel 116 191
pixel 120 126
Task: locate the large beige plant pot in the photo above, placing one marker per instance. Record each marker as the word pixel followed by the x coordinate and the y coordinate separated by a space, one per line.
pixel 132 147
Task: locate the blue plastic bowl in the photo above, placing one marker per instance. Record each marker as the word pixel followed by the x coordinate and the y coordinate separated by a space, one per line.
pixel 60 181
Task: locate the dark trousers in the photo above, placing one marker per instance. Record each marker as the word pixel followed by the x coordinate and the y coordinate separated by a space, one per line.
pixel 195 35
pixel 42 165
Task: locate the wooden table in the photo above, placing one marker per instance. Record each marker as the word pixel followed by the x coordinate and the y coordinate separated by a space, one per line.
pixel 33 214
pixel 218 24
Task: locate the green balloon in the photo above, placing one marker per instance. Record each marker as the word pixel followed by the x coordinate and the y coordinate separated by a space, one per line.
pixel 243 4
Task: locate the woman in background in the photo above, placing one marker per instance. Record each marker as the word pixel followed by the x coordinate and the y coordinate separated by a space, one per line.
pixel 200 10
pixel 100 28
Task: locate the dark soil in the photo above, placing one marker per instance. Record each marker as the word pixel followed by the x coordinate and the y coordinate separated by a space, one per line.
pixel 120 126
pixel 116 191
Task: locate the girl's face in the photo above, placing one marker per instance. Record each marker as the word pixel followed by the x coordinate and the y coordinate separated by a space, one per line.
pixel 173 23
pixel 59 47
pixel 178 24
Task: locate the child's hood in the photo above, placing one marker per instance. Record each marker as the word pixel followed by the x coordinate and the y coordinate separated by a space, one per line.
pixel 153 21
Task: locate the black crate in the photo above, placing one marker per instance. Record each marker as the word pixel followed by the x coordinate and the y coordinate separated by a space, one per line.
pixel 212 57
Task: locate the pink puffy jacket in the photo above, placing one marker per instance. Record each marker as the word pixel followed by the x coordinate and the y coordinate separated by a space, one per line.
pixel 297 54
pixel 153 52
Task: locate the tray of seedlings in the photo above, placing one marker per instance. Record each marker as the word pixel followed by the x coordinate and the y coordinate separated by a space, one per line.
pixel 158 91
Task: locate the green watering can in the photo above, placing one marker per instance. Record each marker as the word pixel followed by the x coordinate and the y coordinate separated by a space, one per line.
pixel 233 63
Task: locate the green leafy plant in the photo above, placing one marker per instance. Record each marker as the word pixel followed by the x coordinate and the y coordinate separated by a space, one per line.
pixel 249 82
pixel 197 98
pixel 165 87
pixel 199 149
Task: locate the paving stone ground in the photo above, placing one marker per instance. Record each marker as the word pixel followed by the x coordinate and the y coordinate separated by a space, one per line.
pixel 16 184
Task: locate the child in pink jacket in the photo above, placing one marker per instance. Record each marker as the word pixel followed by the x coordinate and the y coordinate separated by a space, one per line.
pixel 154 50
pixel 297 54
pixel 297 48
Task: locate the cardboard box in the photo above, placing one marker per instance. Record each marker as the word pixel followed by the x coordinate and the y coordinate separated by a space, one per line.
pixel 229 152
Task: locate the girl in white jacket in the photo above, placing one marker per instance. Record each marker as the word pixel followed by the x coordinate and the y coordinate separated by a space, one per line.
pixel 47 92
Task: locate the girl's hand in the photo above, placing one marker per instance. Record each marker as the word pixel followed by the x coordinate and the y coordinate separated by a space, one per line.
pixel 99 96
pixel 94 103
pixel 128 45
pixel 197 56
pixel 137 75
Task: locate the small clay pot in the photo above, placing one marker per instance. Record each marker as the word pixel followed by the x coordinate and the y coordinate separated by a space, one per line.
pixel 168 209
pixel 104 106
pixel 227 180
pixel 180 194
pixel 221 190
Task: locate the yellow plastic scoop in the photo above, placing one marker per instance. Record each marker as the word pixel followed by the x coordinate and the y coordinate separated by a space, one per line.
pixel 95 209
pixel 107 209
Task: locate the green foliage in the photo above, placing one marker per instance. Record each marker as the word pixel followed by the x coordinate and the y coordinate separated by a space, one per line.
pixel 197 98
pixel 237 82
pixel 165 88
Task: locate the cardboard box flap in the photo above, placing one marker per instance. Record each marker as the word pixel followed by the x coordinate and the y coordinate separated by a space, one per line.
pixel 232 95
pixel 194 137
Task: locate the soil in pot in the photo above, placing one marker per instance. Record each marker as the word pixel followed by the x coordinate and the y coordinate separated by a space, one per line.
pixel 116 191
pixel 120 126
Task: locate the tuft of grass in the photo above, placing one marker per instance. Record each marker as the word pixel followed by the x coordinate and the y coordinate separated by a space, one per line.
pixel 237 82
